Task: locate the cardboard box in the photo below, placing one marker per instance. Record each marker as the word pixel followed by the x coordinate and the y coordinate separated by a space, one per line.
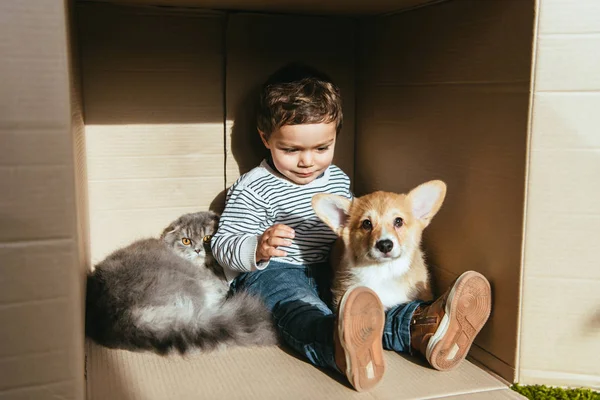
pixel 116 118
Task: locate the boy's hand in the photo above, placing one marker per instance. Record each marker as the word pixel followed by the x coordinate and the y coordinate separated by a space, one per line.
pixel 273 237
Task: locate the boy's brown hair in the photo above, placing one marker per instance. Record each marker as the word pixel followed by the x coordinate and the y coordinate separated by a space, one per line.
pixel 298 94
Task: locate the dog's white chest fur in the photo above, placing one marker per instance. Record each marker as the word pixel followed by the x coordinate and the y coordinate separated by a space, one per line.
pixel 385 280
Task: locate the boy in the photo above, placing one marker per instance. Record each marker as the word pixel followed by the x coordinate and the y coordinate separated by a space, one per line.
pixel 271 243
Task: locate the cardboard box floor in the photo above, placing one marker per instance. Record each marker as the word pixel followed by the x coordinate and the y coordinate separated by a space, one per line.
pixel 270 373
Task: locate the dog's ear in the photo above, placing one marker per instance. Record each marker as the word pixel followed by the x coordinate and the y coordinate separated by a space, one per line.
pixel 332 209
pixel 426 199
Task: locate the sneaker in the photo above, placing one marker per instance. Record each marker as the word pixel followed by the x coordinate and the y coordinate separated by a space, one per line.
pixel 358 338
pixel 444 330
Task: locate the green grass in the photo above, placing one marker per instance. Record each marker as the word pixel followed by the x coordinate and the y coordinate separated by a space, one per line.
pixel 542 392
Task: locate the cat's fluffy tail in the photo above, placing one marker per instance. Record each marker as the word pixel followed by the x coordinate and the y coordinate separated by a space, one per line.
pixel 241 320
pixel 178 323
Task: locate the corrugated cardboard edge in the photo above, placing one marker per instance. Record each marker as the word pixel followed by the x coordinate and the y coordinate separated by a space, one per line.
pixel 80 172
pixel 78 138
pixel 80 190
pixel 502 394
pixel 411 8
pixel 491 363
pixel 526 188
pixel 299 7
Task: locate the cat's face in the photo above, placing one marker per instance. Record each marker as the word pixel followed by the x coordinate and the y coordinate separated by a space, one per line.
pixel 189 236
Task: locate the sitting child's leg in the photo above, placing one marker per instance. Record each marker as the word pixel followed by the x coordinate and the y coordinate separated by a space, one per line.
pixel 351 345
pixel 396 334
pixel 303 321
pixel 444 330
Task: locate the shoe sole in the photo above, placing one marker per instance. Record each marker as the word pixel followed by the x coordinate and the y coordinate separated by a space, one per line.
pixel 467 309
pixel 361 332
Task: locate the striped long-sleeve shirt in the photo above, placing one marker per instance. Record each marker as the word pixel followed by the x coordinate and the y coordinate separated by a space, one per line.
pixel 262 198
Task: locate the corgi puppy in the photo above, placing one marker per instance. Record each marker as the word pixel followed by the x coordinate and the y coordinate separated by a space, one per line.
pixel 379 243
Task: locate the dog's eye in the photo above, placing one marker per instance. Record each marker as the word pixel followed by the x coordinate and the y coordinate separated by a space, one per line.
pixel 366 225
pixel 398 222
pixel 186 241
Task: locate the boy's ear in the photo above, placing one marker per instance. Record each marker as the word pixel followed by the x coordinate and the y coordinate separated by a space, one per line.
pixel 332 209
pixel 426 199
pixel 263 137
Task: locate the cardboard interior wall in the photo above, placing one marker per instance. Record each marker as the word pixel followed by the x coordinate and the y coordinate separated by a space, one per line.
pixel 153 104
pixel 258 44
pixel 437 100
pixel 444 93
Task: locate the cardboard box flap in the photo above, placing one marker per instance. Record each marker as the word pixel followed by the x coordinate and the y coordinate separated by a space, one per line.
pixel 41 330
pixel 263 373
pixel 500 394
pixel 346 7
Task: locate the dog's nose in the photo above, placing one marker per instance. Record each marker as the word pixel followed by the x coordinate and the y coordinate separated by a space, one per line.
pixel 385 246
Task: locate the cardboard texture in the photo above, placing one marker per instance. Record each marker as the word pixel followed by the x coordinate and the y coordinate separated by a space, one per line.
pixel 265 373
pixel 41 331
pixel 116 119
pixel 255 49
pixel 560 322
pixel 451 104
pixel 356 7
pixel 488 395
pixel 154 118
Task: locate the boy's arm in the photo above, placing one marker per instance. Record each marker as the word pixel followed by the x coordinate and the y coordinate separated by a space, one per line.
pixel 242 222
pixel 347 183
pixel 349 193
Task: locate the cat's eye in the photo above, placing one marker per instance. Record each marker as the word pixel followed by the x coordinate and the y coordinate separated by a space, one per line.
pixel 186 241
pixel 398 222
pixel 367 225
pixel 206 239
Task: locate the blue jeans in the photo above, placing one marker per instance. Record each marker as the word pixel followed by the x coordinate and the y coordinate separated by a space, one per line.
pixel 298 297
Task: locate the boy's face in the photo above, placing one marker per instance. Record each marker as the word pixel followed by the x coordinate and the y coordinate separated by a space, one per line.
pixel 302 152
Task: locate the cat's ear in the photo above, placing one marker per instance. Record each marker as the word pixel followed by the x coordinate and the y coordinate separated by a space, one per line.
pixel 169 230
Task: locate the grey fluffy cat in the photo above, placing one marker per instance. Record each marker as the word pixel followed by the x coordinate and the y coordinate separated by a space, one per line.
pixel 170 294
